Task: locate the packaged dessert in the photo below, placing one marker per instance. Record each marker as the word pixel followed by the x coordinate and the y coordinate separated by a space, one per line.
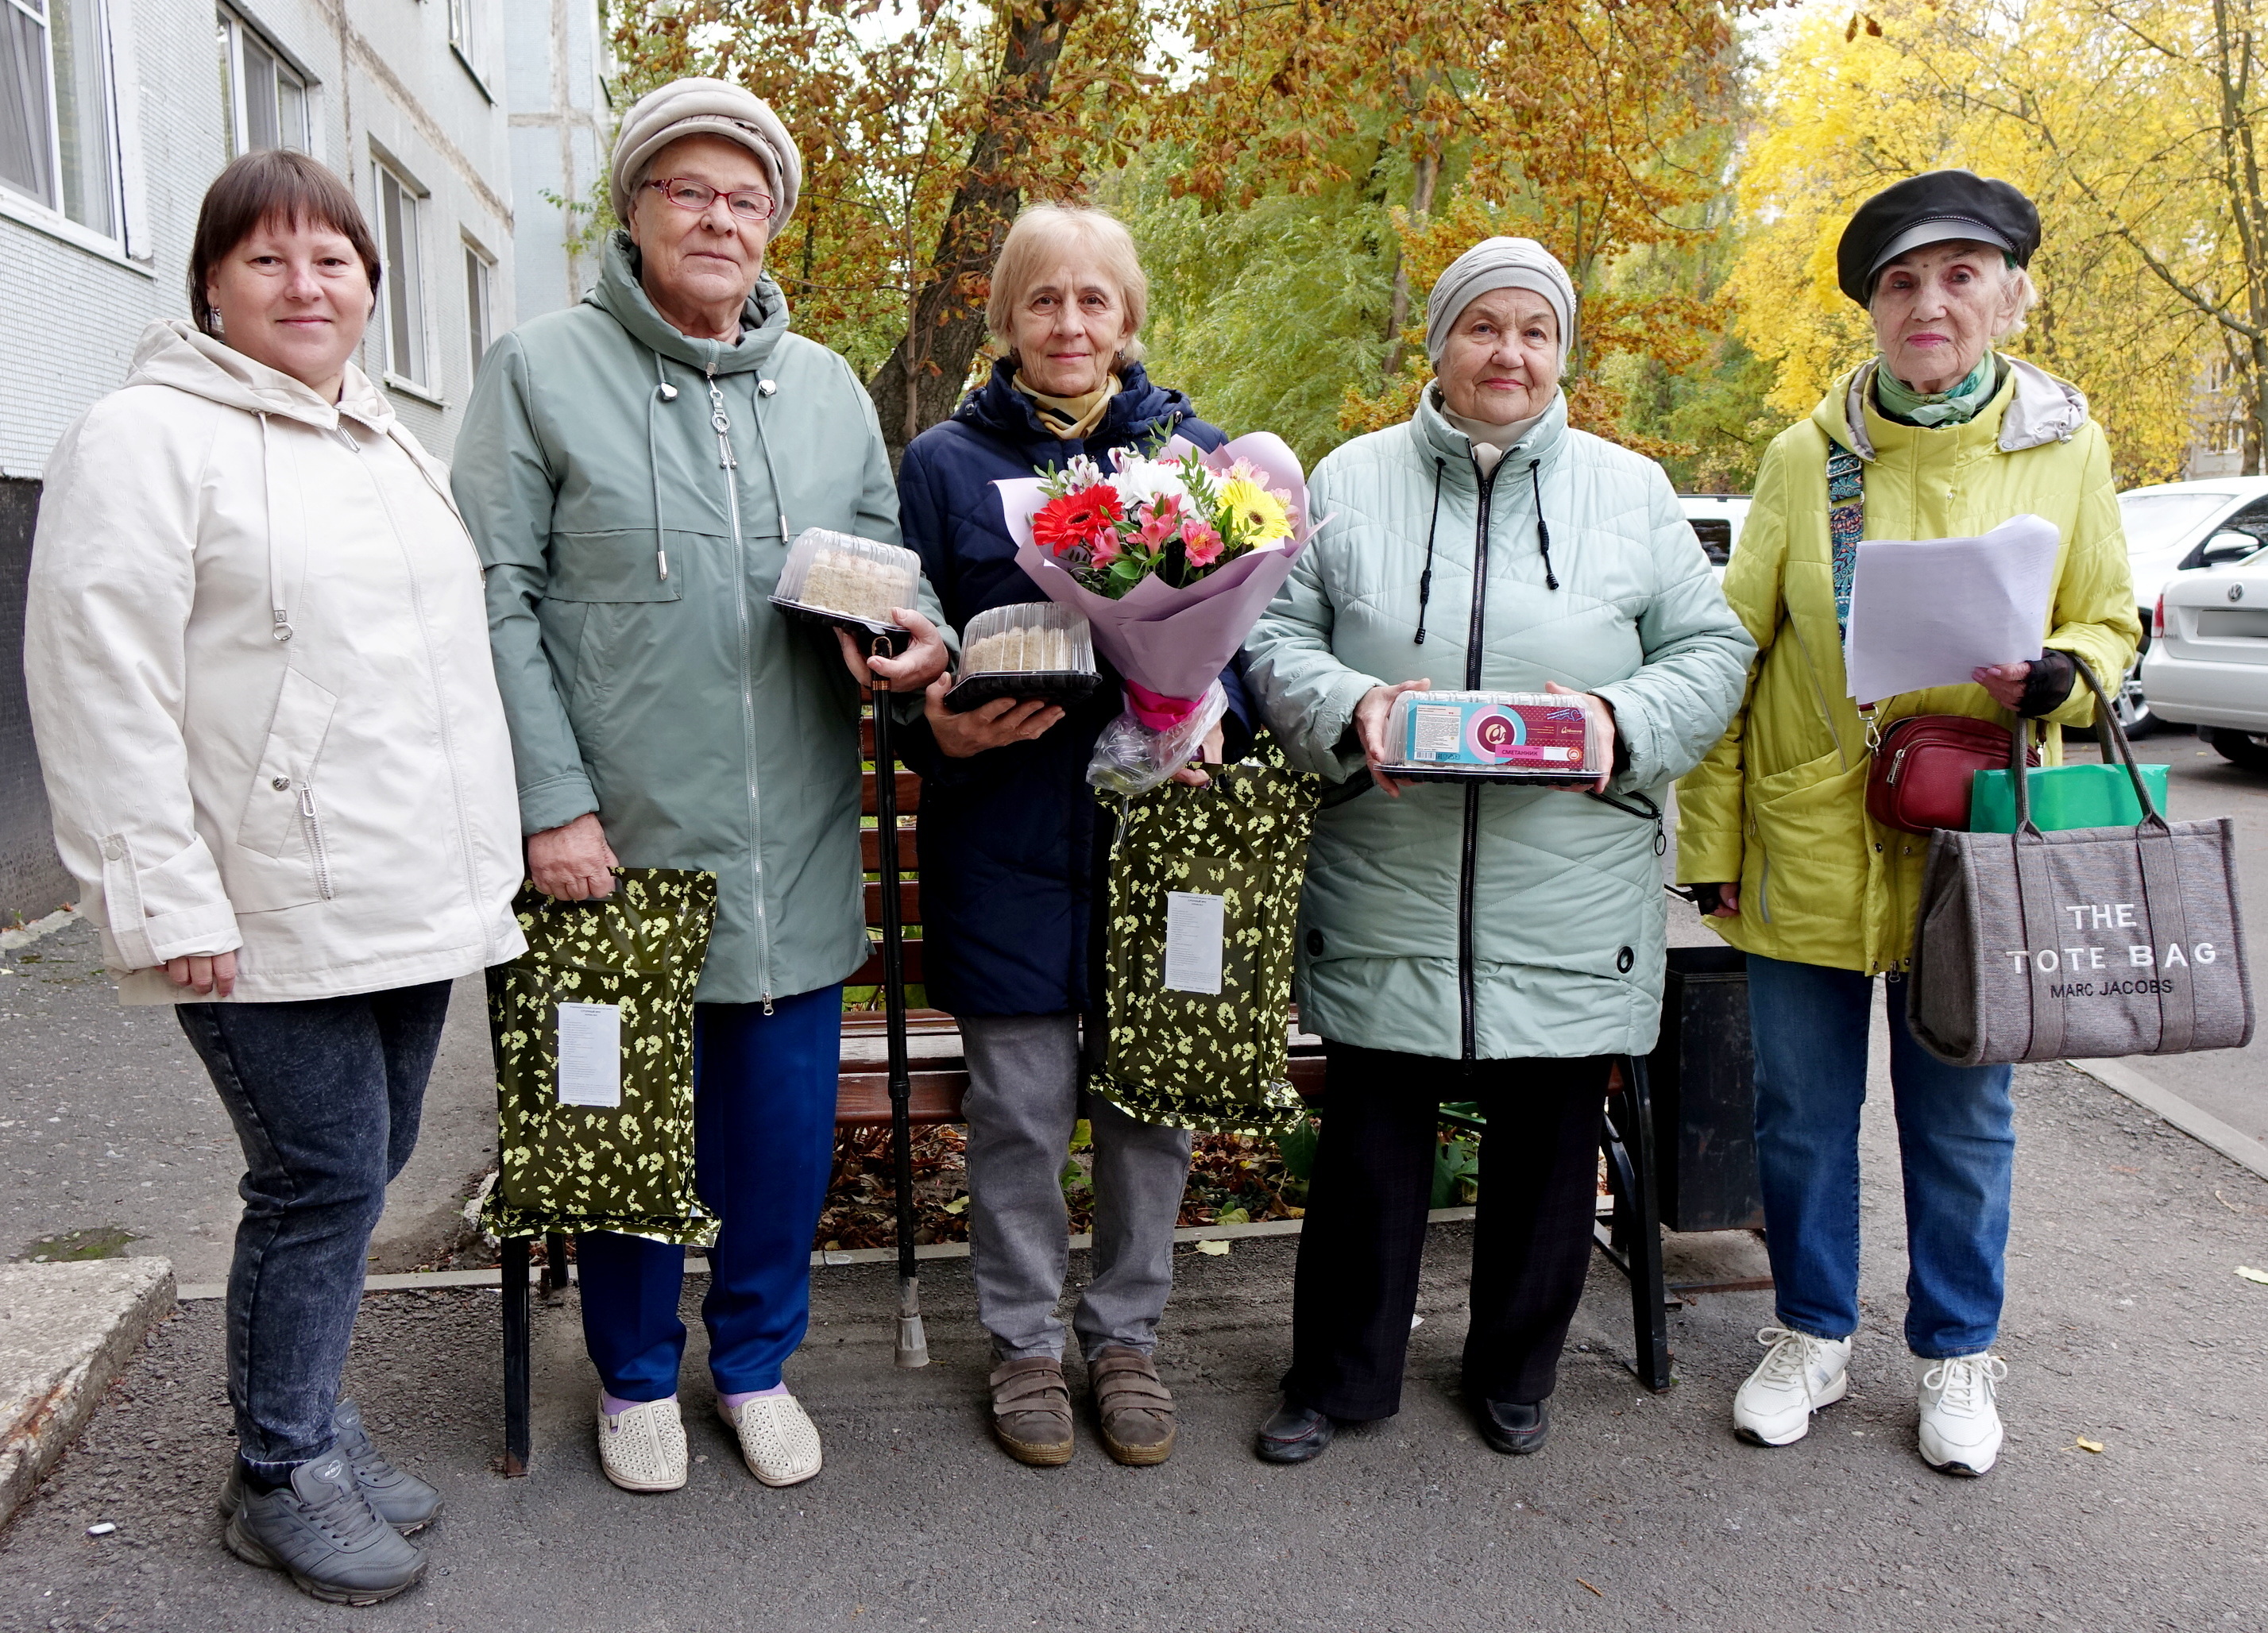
pixel 1502 736
pixel 1033 650
pixel 854 582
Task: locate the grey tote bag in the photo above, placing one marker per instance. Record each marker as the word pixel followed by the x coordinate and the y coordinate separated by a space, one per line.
pixel 2090 944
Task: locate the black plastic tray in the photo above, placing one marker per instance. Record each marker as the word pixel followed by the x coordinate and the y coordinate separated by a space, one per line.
pixel 1488 774
pixel 898 637
pixel 1052 685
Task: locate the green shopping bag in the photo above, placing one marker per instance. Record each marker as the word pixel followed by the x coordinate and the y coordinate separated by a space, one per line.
pixel 1204 899
pixel 592 1028
pixel 2063 798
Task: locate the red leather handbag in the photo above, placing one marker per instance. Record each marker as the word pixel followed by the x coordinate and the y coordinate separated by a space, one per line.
pixel 1924 766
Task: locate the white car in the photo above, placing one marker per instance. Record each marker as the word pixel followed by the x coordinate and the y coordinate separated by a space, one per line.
pixel 1717 519
pixel 2177 527
pixel 2208 667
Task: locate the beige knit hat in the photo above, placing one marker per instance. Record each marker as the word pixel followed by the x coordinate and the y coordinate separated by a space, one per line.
pixel 689 107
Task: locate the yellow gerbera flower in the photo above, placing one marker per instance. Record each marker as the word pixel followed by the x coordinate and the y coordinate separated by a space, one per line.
pixel 1259 514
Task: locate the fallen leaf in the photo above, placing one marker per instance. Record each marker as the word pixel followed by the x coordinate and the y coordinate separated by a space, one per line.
pixel 1220 1249
pixel 1579 1581
pixel 2251 1275
pixel 2085 1445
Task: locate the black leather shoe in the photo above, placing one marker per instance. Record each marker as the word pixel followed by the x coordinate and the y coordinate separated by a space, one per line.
pixel 1294 1435
pixel 1515 1428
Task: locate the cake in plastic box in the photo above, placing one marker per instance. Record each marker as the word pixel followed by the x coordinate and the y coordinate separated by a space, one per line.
pixel 1033 650
pixel 838 578
pixel 1513 737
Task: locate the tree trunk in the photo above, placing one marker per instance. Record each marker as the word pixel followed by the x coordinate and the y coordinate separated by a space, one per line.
pixel 919 384
pixel 1425 171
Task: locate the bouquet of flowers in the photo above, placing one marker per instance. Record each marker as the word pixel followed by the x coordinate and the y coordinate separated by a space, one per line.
pixel 1171 558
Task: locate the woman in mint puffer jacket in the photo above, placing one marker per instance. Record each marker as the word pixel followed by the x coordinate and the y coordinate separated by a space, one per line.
pixel 1478 942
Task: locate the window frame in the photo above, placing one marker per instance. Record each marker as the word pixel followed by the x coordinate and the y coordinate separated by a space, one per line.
pixel 480 303
pixel 405 281
pixel 237 29
pixel 50 210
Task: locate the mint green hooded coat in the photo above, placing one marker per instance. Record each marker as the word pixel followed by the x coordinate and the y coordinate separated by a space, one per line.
pixel 705 729
pixel 1491 922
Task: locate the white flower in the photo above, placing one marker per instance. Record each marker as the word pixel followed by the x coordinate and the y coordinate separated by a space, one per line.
pixel 1083 471
pixel 1140 480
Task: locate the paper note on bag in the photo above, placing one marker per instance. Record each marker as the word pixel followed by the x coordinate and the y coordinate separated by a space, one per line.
pixel 1926 612
pixel 1194 931
pixel 591 1054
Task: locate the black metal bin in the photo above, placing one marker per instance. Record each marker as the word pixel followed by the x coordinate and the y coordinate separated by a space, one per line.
pixel 1703 1078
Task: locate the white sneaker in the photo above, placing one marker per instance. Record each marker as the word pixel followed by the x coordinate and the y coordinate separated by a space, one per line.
pixel 1798 1375
pixel 1960 1416
pixel 779 1444
pixel 644 1448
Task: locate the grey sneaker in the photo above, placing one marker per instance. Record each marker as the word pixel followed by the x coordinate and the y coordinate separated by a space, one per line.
pixel 323 1531
pixel 403 1501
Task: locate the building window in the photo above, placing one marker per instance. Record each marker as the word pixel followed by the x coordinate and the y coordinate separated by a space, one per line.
pixel 480 315
pixel 263 98
pixel 56 141
pixel 462 18
pixel 399 210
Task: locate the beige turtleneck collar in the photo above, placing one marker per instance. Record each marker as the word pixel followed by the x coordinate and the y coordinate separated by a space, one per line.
pixel 1490 442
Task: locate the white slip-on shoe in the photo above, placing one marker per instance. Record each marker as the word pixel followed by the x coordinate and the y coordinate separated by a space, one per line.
pixel 778 1442
pixel 1798 1375
pixel 1959 1412
pixel 644 1448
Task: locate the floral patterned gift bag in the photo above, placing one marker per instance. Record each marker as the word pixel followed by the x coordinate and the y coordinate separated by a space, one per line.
pixel 1204 899
pixel 592 1027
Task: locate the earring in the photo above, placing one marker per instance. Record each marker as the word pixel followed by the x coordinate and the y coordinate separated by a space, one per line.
pixel 212 318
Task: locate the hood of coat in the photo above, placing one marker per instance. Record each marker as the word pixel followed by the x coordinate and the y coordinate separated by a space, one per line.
pixel 173 352
pixel 1142 409
pixel 2031 408
pixel 619 294
pixel 1436 439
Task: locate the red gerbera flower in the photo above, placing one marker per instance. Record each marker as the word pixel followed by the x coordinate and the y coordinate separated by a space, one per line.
pixel 1076 520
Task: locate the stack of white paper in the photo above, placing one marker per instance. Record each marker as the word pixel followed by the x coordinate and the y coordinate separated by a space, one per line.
pixel 1926 612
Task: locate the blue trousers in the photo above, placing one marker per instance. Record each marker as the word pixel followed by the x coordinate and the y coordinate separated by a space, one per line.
pixel 325 1095
pixel 763 1113
pixel 1956 1150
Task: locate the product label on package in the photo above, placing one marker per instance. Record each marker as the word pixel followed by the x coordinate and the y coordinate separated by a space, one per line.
pixel 1195 927
pixel 1518 736
pixel 591 1054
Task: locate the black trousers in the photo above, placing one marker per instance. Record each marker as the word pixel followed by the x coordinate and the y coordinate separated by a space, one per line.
pixel 1364 1233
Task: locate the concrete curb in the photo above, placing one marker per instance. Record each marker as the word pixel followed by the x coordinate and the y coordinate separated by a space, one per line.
pixel 2194 1121
pixel 66 1333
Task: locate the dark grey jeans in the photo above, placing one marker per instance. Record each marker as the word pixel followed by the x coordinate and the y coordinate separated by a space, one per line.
pixel 325 1095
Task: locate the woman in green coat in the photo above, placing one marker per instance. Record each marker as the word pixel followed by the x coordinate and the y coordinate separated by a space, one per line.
pixel 633 469
pixel 1483 942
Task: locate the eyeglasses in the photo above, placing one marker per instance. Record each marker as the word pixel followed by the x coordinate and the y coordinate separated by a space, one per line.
pixel 688 194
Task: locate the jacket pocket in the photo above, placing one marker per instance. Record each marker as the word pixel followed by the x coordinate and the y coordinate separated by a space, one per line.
pixel 1808 859
pixel 273 821
pixel 623 565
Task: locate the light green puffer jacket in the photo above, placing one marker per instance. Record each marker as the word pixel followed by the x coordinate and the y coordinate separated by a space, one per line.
pixel 705 729
pixel 1493 922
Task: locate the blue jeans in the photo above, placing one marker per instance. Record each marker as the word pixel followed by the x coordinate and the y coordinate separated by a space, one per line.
pixel 1957 1149
pixel 764 1147
pixel 325 1095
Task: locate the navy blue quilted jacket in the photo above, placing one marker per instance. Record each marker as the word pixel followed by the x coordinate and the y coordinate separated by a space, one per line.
pixel 1011 840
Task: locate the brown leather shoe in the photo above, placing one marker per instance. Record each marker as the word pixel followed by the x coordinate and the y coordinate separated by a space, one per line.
pixel 1134 1411
pixel 1031 1411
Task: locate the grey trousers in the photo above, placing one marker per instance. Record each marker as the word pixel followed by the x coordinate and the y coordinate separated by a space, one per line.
pixel 1023 1099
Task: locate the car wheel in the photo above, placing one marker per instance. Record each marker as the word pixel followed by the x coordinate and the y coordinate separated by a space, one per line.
pixel 2132 708
pixel 2238 748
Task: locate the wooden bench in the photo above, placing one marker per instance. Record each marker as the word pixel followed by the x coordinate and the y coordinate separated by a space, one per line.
pixel 1630 1236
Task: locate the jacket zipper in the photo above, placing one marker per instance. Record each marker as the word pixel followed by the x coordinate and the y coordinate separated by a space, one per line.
pixel 1468 858
pixel 729 465
pixel 312 825
pixel 440 693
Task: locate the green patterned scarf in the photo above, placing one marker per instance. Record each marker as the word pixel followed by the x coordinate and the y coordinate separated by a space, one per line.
pixel 1956 407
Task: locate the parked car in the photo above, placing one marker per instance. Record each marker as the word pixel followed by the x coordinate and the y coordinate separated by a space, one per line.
pixel 2178 527
pixel 1717 518
pixel 2208 667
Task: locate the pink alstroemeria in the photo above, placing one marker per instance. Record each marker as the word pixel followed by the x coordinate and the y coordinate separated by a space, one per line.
pixel 1201 544
pixel 1104 550
pixel 1162 520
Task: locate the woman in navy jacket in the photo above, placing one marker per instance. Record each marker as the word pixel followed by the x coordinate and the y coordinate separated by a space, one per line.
pixel 1013 849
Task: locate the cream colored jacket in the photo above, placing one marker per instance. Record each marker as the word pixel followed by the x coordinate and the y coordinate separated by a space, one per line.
pixel 257 653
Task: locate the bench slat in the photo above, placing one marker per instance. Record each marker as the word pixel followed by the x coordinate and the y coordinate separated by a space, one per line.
pixel 862 1099
pixel 869 847
pixel 870 972
pixel 909 903
pixel 909 794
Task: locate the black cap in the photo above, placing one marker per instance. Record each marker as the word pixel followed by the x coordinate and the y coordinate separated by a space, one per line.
pixel 1933 207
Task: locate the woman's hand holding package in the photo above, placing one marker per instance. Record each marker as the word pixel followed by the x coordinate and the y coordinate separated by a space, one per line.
pixel 995 724
pixel 1370 718
pixel 924 658
pixel 1210 751
pixel 1599 786
pixel 573 863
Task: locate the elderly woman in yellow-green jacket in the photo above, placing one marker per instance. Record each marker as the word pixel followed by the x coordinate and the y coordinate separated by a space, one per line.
pixel 1938 435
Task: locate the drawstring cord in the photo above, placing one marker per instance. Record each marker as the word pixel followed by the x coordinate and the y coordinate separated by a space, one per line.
pixel 1542 527
pixel 765 388
pixel 1426 578
pixel 663 392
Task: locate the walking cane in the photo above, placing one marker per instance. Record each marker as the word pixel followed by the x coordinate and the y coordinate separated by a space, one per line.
pixel 913 1346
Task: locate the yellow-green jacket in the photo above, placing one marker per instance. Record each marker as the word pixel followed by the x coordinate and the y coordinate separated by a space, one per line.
pixel 1779 804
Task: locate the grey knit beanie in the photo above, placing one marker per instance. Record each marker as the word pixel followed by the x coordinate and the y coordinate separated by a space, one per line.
pixel 1493 264
pixel 692 107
